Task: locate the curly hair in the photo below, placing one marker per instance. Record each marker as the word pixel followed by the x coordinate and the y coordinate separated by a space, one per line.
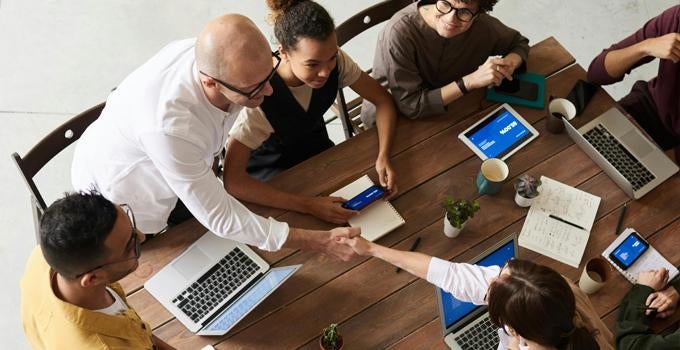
pixel 73 230
pixel 297 19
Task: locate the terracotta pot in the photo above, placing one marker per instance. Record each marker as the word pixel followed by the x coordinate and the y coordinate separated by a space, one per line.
pixel 340 343
pixel 449 230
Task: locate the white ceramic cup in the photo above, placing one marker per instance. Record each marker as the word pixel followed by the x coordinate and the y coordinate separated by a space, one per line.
pixel 559 106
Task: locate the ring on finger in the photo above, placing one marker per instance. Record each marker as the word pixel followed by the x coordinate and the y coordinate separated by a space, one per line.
pixel 498 68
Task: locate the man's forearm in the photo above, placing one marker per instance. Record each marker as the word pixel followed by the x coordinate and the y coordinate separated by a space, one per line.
pixel 618 62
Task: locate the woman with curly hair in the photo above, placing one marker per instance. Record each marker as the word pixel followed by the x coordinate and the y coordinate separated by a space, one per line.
pixel 288 127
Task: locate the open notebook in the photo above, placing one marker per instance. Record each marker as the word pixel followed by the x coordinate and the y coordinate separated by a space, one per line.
pixel 377 219
pixel 559 221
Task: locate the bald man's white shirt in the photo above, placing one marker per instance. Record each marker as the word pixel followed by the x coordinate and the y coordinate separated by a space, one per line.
pixel 156 140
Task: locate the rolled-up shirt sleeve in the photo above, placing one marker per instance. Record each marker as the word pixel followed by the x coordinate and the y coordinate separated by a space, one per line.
pixel 597 73
pixel 182 166
pixel 465 282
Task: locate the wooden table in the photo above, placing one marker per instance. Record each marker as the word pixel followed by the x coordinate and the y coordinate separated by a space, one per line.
pixel 378 308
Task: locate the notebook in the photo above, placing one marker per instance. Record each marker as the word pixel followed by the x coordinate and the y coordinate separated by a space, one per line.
pixel 376 220
pixel 559 221
pixel 651 259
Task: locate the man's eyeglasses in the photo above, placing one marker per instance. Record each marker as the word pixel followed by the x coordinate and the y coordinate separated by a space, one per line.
pixel 462 14
pixel 259 86
pixel 133 243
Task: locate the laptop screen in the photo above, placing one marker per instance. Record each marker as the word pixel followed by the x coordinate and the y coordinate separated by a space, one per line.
pixel 250 299
pixel 453 309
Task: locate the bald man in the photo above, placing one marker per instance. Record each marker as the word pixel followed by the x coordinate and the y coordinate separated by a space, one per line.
pixel 153 145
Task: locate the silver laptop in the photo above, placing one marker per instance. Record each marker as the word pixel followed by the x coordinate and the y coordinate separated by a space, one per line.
pixel 215 283
pixel 632 161
pixel 466 325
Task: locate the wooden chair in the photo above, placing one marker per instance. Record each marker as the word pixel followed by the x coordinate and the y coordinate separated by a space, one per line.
pixel 350 112
pixel 48 148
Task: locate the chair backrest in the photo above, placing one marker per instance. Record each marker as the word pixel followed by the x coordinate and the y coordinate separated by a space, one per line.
pixel 350 111
pixel 51 145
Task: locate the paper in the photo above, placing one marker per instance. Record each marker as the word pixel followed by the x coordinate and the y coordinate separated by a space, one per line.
pixel 650 260
pixel 550 227
pixel 377 219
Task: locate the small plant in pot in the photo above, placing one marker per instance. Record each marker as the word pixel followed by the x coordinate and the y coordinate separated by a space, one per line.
pixel 526 187
pixel 330 339
pixel 458 211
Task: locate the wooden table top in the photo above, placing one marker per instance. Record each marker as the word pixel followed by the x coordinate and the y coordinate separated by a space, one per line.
pixel 378 308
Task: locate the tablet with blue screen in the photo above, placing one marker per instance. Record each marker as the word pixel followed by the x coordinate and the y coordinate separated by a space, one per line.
pixel 499 134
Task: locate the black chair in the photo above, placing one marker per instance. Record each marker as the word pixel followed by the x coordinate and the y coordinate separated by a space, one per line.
pixel 350 112
pixel 48 148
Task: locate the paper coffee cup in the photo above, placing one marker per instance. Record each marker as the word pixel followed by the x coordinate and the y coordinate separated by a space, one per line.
pixel 595 274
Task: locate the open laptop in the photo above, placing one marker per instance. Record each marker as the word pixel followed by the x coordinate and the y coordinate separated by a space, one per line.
pixel 632 161
pixel 215 283
pixel 467 326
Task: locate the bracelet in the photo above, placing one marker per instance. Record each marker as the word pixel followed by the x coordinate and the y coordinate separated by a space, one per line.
pixel 461 86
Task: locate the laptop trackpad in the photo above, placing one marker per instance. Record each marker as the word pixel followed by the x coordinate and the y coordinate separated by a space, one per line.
pixel 636 143
pixel 191 263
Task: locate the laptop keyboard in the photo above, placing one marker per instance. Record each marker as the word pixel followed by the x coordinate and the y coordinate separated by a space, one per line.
pixel 216 285
pixel 481 336
pixel 619 157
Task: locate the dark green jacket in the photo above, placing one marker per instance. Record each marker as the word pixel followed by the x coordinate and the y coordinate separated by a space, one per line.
pixel 632 328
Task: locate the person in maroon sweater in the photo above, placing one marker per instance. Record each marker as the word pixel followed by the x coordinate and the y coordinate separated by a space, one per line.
pixel 655 104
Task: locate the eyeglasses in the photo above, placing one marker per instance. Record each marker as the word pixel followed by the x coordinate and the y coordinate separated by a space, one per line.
pixel 259 86
pixel 134 241
pixel 462 14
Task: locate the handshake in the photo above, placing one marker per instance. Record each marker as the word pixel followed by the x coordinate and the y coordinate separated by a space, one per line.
pixel 344 243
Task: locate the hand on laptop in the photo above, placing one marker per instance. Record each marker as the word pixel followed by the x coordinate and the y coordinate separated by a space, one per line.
pixel 329 209
pixel 665 302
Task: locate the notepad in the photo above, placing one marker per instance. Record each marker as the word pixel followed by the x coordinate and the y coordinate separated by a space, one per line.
pixel 651 259
pixel 559 221
pixel 376 220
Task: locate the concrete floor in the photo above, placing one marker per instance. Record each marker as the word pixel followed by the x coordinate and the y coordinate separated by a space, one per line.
pixel 59 57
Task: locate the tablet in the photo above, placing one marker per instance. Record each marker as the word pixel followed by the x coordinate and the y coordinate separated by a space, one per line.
pixel 499 134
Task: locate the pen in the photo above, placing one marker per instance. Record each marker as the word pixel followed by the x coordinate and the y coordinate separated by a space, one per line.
pixel 623 213
pixel 565 221
pixel 413 248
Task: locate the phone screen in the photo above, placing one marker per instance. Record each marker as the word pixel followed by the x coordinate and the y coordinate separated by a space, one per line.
pixel 581 94
pixel 631 249
pixel 363 199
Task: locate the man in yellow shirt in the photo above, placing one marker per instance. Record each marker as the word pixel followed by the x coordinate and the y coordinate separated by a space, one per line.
pixel 69 298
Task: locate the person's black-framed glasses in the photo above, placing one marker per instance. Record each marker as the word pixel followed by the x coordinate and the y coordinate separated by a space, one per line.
pixel 133 242
pixel 259 86
pixel 462 14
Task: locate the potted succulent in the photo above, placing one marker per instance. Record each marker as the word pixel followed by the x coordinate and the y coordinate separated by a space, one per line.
pixel 526 187
pixel 330 339
pixel 457 213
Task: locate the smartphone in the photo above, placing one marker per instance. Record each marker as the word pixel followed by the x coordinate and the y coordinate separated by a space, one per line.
pixel 518 88
pixel 581 94
pixel 629 251
pixel 363 199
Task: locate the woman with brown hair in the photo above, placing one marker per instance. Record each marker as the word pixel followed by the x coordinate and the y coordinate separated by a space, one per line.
pixel 535 305
pixel 288 127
